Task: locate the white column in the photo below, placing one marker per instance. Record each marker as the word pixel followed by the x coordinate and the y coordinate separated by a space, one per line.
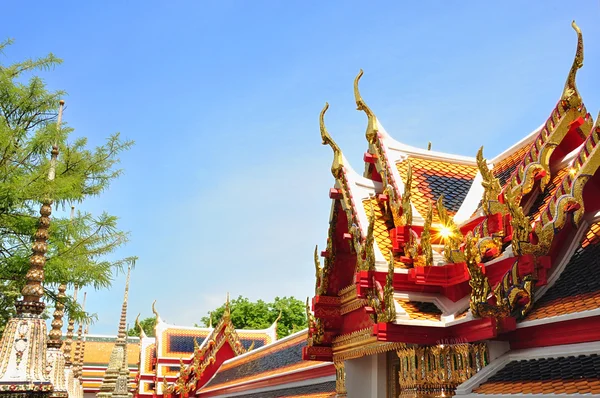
pixel 367 377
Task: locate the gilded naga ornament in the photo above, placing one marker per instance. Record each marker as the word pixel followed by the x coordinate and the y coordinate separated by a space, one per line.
pixel 426 257
pixel 491 187
pixel 315 327
pixel 514 294
pixel 388 313
pixel 450 234
pixel 365 252
pixel 318 272
pixel 480 285
pixel 406 218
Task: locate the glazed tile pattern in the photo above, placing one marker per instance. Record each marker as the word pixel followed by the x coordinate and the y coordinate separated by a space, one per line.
pixel 543 199
pixel 380 229
pixel 173 339
pixel 178 342
pixel 322 390
pixel 504 169
pixel 592 236
pixel 97 353
pixel 578 287
pixel 278 358
pixel 421 310
pixel 432 178
pixel 150 355
pixel 565 375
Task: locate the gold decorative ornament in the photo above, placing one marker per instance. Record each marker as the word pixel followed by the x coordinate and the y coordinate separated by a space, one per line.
pixel 514 290
pixel 337 165
pixel 406 218
pixel 480 285
pixel 315 327
pixel 569 108
pixel 361 105
pixel 340 379
pixel 450 234
pixel 426 257
pixel 318 272
pixel 139 327
pixel 438 370
pixel 365 252
pixel 491 187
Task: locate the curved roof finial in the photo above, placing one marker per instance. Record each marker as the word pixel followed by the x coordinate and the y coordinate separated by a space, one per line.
pixel 570 89
pixel 139 326
pixel 361 105
pixel 155 312
pixel 227 312
pixel 327 140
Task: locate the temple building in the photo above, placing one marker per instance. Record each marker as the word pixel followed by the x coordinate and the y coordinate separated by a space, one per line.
pixel 441 275
pixel 454 275
pixel 180 360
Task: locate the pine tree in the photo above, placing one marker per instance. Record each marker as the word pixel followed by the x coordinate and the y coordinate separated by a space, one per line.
pixel 78 249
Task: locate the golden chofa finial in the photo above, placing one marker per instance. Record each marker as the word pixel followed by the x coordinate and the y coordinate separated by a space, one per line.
pixel 371 133
pixel 155 312
pixel 327 140
pixel 140 328
pixel 570 90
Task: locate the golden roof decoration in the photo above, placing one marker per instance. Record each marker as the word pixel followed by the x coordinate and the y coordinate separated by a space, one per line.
pixel 570 92
pixel 491 187
pixel 361 105
pixel 139 327
pixel 318 272
pixel 406 218
pixel 365 251
pixel 155 312
pixel 426 258
pixel 337 165
pixel 450 234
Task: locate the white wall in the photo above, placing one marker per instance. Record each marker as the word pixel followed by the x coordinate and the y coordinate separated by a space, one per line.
pixel 367 377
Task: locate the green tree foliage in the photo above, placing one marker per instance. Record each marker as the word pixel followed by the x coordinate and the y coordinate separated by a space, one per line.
pixel 246 314
pixel 148 326
pixel 78 249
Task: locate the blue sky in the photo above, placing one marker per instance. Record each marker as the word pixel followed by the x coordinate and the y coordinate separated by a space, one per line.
pixel 227 186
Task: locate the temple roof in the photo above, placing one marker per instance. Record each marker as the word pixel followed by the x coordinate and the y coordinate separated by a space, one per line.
pixel 578 286
pixel 277 362
pixel 564 375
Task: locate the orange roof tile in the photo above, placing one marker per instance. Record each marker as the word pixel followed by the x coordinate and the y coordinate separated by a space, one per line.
pixel 578 286
pixel 544 198
pixel 504 168
pixel 97 353
pixel 564 375
pixel 433 178
pixel 424 311
pixel 380 229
